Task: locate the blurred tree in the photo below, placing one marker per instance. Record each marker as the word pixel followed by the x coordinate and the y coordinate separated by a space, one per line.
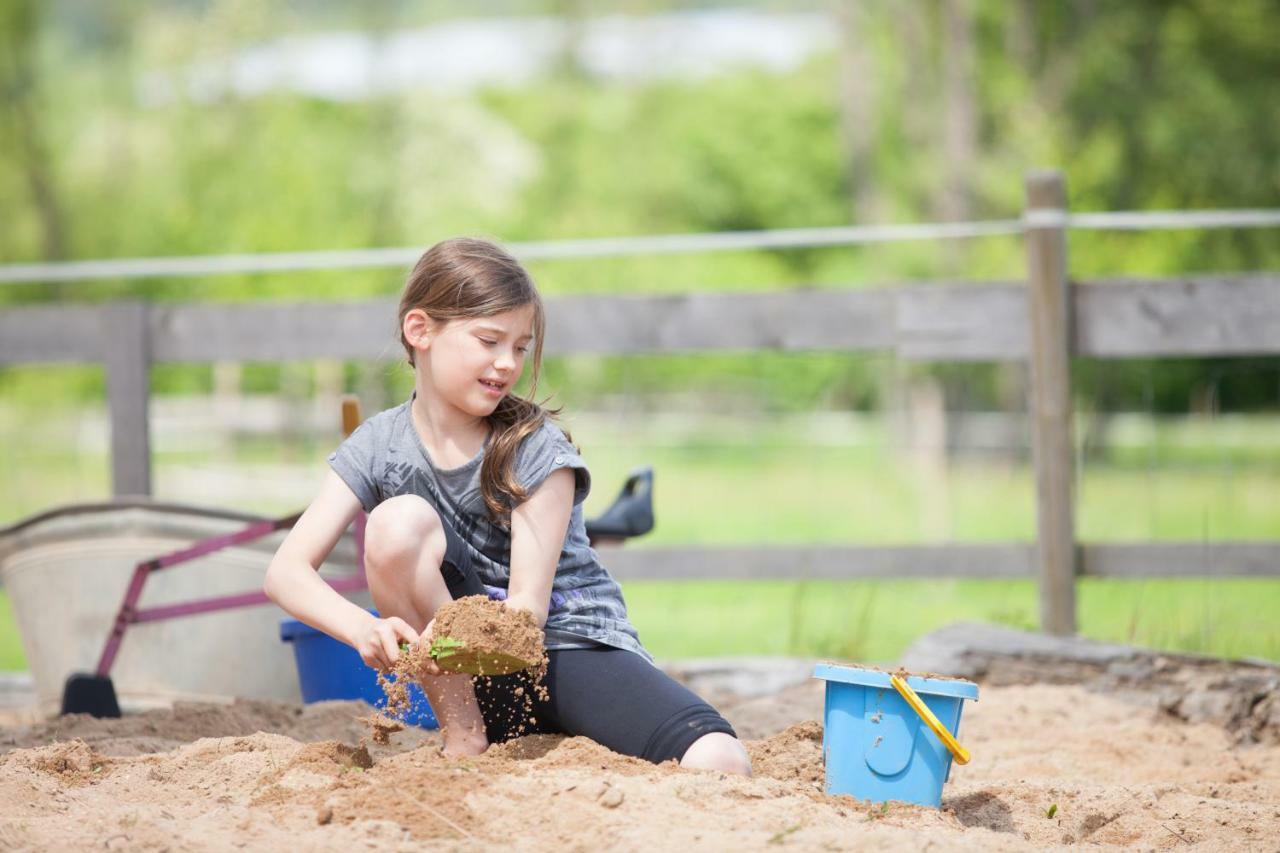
pixel 23 132
pixel 921 111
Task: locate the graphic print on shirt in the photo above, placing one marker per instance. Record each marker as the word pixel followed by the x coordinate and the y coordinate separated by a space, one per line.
pixel 409 479
pixel 404 479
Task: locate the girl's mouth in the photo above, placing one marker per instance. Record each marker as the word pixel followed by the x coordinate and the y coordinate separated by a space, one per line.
pixel 495 389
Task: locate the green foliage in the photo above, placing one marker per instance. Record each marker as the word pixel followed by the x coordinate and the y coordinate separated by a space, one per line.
pixel 104 152
pixel 1225 617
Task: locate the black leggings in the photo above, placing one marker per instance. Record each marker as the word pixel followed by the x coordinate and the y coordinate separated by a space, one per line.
pixel 613 696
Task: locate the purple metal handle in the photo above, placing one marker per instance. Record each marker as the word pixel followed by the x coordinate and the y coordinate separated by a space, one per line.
pixel 129 612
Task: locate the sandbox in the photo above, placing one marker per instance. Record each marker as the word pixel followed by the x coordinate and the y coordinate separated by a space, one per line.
pixel 264 774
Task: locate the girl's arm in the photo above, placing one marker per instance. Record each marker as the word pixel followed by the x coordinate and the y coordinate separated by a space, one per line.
pixel 294 583
pixel 538 527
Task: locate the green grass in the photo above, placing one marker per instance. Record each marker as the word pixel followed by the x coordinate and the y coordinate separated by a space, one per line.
pixel 781 495
pixel 874 621
pixel 838 479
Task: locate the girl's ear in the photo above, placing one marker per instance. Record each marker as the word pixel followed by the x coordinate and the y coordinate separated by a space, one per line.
pixel 419 328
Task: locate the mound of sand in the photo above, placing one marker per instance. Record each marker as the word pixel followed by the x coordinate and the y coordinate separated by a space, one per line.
pixel 259 775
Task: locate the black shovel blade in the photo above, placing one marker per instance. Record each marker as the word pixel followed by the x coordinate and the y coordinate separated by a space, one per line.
pixel 90 694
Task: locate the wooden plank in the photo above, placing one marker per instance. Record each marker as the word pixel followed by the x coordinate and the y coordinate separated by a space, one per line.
pixel 1201 315
pixel 804 319
pixel 962 322
pixel 994 560
pixel 51 334
pixel 276 331
pixel 1050 403
pixel 126 353
pixel 821 562
pixel 1194 315
pixel 795 320
pixel 1182 559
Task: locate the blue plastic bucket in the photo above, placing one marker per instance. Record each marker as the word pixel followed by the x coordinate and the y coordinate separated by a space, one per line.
pixel 874 744
pixel 329 669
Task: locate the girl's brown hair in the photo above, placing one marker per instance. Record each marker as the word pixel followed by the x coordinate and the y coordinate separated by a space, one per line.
pixel 464 278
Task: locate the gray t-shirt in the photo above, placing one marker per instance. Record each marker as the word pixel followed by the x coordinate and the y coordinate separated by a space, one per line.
pixel 385 458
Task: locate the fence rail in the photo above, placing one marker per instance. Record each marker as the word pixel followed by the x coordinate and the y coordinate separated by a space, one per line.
pixel 1043 321
pixel 1122 318
pixel 953 560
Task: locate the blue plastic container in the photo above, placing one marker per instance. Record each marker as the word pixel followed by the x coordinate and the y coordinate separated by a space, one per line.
pixel 329 669
pixel 874 744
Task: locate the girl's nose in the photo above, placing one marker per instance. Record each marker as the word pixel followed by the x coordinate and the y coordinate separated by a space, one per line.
pixel 505 360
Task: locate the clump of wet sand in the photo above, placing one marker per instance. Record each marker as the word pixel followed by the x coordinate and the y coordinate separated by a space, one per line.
pixel 489 628
pixel 489 632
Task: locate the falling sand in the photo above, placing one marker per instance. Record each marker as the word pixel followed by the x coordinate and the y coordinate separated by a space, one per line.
pixel 489 634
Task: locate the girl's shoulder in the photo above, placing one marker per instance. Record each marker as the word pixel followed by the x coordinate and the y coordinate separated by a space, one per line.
pixel 546 449
pixel 385 422
pixel 547 440
pixel 377 436
pixel 363 458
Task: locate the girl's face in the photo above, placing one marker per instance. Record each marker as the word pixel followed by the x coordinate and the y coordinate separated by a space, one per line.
pixel 473 363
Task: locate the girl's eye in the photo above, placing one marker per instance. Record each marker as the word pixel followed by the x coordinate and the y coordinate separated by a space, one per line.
pixel 487 342
pixel 523 350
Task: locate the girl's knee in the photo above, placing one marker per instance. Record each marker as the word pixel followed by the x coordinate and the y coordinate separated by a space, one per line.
pixel 718 751
pixel 398 529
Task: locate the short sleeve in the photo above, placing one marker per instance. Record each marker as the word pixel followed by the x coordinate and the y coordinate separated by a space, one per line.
pixel 353 462
pixel 548 450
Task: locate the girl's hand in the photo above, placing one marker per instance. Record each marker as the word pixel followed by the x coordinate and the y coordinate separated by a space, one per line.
pixel 378 640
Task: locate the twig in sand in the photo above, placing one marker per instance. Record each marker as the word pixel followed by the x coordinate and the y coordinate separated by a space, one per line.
pixel 1185 840
pixel 452 825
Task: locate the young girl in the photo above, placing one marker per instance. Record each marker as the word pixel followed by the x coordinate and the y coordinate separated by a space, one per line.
pixel 471 489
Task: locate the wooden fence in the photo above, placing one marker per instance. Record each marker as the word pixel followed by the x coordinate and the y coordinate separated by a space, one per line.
pixel 1045 321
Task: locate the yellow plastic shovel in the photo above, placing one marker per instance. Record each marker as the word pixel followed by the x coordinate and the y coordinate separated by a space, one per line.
pixel 454 656
pixel 917 704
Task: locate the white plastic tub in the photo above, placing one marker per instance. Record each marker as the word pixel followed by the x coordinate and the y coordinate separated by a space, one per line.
pixel 66 572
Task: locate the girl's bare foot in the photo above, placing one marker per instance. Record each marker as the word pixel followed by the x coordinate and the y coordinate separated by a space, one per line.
pixel 463 731
pixel 464 743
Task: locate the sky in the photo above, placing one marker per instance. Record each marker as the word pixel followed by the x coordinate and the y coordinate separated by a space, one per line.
pixel 460 55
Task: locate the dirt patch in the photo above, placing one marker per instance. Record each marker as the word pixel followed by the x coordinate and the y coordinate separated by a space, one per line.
pixel 1242 696
pixel 163 730
pixel 1116 775
pixel 71 763
pixel 794 755
pixel 331 753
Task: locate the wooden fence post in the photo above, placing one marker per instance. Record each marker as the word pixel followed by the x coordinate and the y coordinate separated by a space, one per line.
pixel 126 353
pixel 1050 399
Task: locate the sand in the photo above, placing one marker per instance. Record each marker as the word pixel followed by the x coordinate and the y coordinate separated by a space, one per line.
pixel 255 775
pixel 480 636
pixel 489 629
